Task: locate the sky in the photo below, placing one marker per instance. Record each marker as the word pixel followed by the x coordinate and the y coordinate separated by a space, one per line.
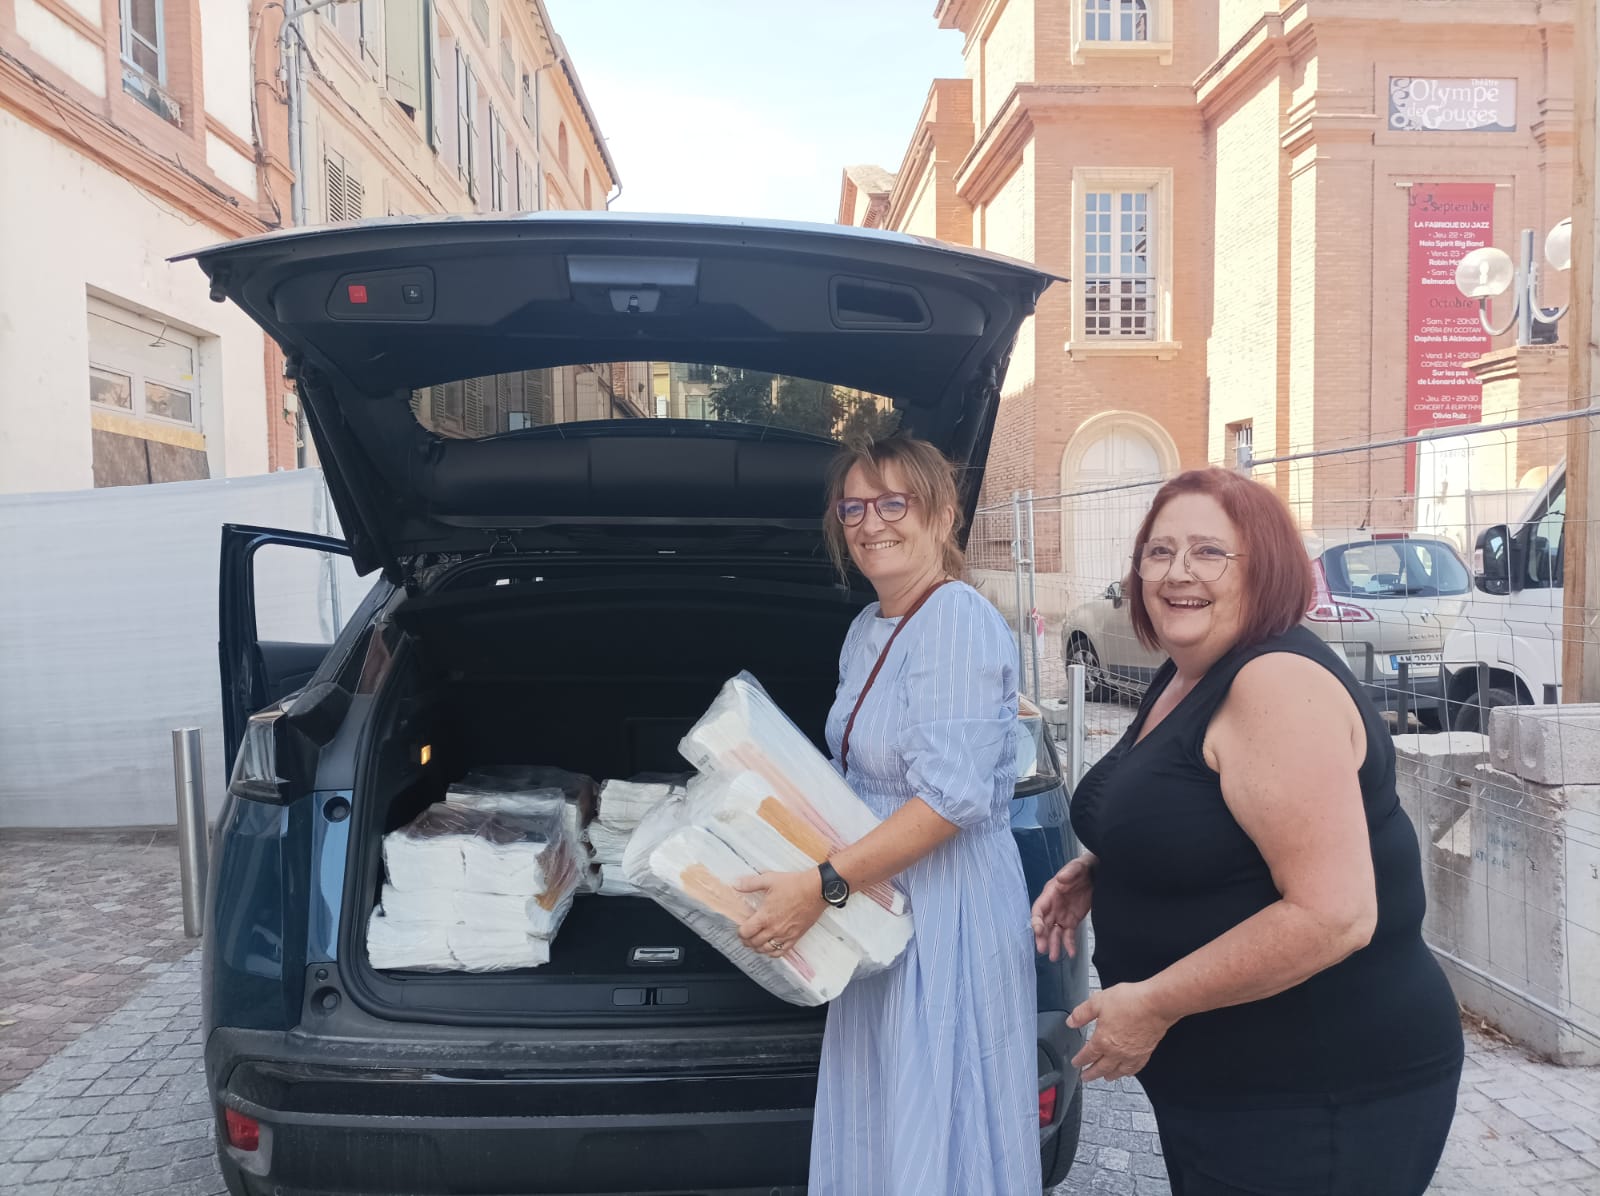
pixel 753 107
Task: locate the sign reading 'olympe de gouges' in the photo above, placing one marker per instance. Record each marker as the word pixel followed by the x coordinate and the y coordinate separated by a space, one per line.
pixel 1420 105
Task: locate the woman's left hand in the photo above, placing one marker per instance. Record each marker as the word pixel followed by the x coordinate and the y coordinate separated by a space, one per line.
pixel 1126 1032
pixel 791 903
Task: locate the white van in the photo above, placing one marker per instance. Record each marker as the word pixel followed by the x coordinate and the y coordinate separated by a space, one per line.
pixel 1505 647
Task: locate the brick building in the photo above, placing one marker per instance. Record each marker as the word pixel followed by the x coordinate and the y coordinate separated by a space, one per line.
pixel 1226 183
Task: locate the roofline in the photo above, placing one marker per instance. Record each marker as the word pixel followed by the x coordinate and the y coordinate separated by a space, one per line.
pixel 564 60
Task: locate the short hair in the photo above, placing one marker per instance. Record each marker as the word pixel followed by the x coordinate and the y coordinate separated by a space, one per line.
pixel 930 477
pixel 1277 571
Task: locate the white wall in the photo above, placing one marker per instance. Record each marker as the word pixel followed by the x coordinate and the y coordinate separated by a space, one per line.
pixel 68 225
pixel 108 636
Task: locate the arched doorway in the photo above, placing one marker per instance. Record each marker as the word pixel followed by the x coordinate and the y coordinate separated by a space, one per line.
pixel 1109 473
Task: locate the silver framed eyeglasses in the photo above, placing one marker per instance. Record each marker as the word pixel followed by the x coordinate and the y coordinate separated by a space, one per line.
pixel 891 508
pixel 1203 562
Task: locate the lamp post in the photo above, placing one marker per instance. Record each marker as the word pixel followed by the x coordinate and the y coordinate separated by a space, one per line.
pixel 1488 272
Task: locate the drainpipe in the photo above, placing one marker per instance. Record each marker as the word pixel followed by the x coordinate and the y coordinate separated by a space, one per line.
pixel 294 88
pixel 538 137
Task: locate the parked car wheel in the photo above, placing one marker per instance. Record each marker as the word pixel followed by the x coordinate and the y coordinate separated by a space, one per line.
pixel 1081 651
pixel 1467 715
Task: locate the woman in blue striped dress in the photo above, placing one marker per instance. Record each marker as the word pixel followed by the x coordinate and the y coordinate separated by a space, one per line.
pixel 928 1083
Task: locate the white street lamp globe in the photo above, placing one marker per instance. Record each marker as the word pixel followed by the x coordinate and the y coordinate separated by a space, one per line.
pixel 1558 246
pixel 1484 273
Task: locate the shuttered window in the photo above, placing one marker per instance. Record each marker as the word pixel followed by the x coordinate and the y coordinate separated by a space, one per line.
pixel 345 192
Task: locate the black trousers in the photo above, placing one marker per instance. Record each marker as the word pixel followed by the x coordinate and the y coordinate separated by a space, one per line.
pixel 1387 1146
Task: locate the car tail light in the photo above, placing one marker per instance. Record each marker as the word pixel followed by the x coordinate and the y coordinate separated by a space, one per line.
pixel 1047 1104
pixel 1325 609
pixel 244 1133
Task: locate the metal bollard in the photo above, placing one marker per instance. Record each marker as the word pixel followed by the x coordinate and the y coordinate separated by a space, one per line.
pixel 188 765
pixel 1077 701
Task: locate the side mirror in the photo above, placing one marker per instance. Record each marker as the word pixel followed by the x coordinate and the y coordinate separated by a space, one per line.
pixel 1113 593
pixel 1491 560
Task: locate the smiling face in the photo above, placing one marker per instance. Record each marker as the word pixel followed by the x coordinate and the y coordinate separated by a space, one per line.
pixel 1191 617
pixel 893 555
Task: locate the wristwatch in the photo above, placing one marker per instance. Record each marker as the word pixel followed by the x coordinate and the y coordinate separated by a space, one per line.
pixel 835 889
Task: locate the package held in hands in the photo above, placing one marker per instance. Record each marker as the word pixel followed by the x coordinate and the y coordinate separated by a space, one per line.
pixel 765 801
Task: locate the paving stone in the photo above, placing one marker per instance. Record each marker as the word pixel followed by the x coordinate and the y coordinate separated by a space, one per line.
pixel 52 1169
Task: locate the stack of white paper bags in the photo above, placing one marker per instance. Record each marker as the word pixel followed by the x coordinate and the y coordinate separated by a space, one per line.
pixel 478 882
pixel 765 801
pixel 623 805
pixel 580 792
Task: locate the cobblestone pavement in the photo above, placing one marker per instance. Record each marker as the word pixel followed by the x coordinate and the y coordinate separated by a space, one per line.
pixel 119 1107
pixel 85 914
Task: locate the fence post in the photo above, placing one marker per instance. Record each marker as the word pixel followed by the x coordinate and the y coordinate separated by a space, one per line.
pixel 1016 565
pixel 188 773
pixel 1033 598
pixel 1077 742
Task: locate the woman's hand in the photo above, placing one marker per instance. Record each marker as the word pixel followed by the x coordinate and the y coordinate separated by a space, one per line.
pixel 791 903
pixel 1127 1029
pixel 1063 904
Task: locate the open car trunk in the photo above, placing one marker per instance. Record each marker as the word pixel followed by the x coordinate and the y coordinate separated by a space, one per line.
pixel 519 663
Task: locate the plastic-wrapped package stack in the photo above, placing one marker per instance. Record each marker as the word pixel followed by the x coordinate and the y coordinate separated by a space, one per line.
pixel 623 805
pixel 765 801
pixel 580 792
pixel 478 882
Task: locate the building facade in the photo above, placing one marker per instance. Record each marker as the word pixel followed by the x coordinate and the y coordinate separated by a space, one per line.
pixel 127 135
pixel 449 106
pixel 1228 185
pixel 135 130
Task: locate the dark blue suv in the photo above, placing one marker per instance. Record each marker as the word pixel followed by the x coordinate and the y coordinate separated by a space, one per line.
pixel 584 455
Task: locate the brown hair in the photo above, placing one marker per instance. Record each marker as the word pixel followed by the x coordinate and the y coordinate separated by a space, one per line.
pixel 1278 583
pixel 930 479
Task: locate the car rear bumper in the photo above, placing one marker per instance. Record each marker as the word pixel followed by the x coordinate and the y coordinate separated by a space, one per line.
pixel 360 1118
pixel 353 1118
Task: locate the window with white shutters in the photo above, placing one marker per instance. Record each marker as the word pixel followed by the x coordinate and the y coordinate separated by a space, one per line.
pixel 345 192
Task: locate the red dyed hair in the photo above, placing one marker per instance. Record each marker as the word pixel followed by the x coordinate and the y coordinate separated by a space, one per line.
pixel 1277 571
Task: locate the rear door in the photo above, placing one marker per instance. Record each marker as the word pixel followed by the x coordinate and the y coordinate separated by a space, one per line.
pixel 284 597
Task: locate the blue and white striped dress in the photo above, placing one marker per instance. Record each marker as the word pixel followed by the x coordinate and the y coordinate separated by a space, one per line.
pixel 929 1083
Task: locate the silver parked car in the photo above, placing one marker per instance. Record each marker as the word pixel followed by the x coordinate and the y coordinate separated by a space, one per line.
pixel 1383 600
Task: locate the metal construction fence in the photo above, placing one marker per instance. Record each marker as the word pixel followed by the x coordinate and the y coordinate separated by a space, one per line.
pixel 1439 564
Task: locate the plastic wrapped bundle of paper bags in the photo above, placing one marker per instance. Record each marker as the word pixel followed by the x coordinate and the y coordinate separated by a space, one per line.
pixel 765 800
pixel 478 882
pixel 622 806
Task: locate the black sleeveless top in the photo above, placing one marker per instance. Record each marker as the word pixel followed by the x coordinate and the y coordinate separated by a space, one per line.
pixel 1176 871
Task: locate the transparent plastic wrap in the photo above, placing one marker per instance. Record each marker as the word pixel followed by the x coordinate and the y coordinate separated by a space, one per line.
pixel 742 810
pixel 576 787
pixel 608 842
pixel 624 804
pixel 690 873
pixel 501 789
pixel 398 943
pixel 745 731
pixel 467 843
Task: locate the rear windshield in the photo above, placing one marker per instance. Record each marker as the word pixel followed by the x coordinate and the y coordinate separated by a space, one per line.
pixel 1399 568
pixel 475 408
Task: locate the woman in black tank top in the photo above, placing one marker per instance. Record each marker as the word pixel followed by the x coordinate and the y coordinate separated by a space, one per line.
pixel 1255 885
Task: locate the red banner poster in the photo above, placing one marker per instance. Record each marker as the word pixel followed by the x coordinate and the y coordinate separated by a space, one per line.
pixel 1447 221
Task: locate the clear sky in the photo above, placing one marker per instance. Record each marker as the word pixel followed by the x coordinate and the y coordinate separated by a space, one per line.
pixel 753 107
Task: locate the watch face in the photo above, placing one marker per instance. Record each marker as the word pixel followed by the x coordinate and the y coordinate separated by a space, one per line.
pixel 835 891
